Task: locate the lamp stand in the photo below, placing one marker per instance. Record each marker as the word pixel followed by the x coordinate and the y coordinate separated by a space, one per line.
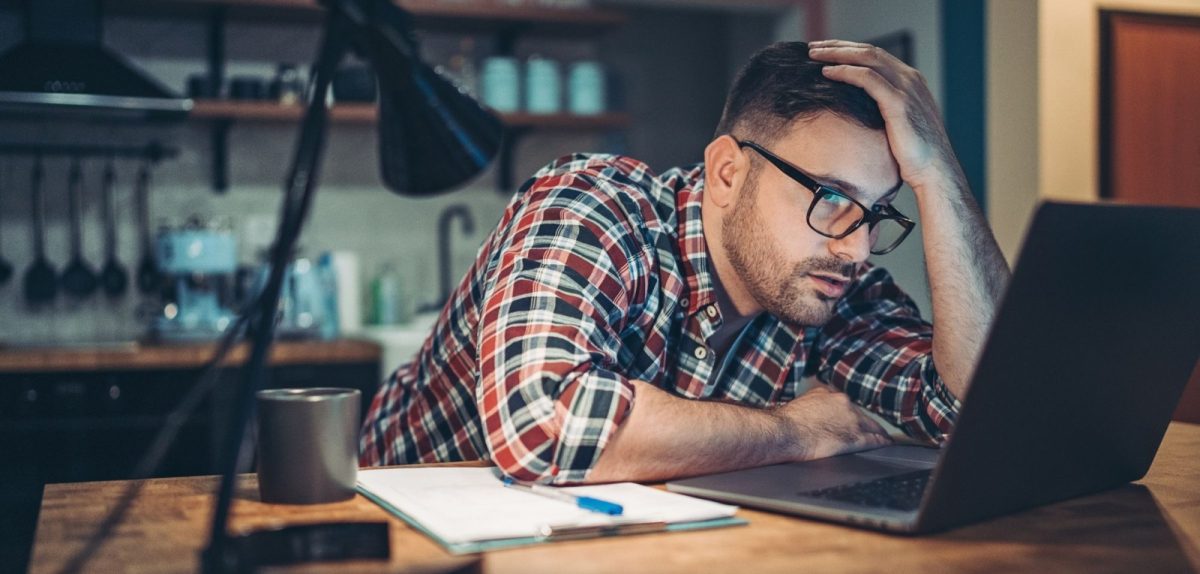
pixel 299 189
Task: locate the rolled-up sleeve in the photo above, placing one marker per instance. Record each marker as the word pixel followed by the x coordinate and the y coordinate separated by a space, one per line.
pixel 879 351
pixel 548 394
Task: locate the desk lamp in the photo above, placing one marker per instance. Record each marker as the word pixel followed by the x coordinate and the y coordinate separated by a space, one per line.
pixel 432 137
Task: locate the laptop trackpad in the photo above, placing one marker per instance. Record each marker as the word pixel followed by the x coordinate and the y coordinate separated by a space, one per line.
pixel 859 467
pixel 784 481
pixel 916 456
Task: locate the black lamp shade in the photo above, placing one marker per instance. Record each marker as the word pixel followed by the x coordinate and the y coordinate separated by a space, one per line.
pixel 433 137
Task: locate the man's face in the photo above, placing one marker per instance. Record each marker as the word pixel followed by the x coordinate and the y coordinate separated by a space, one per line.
pixel 792 271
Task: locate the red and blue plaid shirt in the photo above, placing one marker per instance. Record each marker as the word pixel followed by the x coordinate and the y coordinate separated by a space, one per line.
pixel 596 275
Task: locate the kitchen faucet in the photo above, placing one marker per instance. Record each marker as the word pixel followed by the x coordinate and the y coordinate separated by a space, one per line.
pixel 457 211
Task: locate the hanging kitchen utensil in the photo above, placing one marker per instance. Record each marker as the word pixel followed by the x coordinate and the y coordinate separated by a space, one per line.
pixel 41 280
pixel 113 278
pixel 6 268
pixel 78 278
pixel 148 277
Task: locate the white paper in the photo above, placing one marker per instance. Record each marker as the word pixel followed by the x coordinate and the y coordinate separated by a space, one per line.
pixel 471 504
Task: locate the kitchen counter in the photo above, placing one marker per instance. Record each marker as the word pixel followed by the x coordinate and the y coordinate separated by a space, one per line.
pixel 137 356
pixel 86 412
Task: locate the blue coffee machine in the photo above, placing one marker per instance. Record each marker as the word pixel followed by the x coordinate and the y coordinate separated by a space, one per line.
pixel 199 263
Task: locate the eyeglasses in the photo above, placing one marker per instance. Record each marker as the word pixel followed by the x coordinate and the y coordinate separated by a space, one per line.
pixel 836 215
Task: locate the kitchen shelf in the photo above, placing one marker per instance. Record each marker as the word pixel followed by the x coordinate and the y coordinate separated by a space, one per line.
pixel 503 20
pixel 453 15
pixel 224 113
pixel 251 111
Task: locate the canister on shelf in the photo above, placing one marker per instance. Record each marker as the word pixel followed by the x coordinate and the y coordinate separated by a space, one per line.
pixel 502 83
pixel 543 86
pixel 288 86
pixel 586 88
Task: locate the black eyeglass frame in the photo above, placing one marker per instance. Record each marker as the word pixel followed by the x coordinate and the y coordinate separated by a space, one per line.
pixel 871 216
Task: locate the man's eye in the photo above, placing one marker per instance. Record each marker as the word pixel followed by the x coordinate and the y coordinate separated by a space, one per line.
pixel 836 200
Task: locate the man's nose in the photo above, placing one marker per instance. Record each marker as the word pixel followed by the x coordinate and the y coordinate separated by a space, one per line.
pixel 855 247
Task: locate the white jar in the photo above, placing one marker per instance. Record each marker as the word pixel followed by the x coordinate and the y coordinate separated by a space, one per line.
pixel 543 86
pixel 501 83
pixel 586 88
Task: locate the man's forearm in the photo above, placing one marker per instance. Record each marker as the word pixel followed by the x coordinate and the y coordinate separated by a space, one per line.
pixel 967 276
pixel 668 437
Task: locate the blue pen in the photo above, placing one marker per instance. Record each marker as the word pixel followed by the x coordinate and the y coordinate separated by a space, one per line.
pixel 584 502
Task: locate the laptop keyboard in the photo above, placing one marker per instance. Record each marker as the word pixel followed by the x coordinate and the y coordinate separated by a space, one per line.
pixel 897 492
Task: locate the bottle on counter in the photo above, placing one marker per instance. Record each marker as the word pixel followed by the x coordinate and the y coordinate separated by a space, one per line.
pixel 328 280
pixel 385 297
pixel 351 298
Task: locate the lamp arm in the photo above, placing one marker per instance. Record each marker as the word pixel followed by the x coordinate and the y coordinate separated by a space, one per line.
pixel 299 189
pixel 393 23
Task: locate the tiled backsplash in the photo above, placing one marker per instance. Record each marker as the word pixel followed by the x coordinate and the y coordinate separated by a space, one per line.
pixel 379 226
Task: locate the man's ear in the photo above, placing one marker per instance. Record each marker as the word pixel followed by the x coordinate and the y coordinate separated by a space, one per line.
pixel 725 169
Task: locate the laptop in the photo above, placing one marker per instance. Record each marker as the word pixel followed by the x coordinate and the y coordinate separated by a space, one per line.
pixel 1087 358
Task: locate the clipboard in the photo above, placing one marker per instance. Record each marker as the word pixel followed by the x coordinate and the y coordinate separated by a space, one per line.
pixel 468 510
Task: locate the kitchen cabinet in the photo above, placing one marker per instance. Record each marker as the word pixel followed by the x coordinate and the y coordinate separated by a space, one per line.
pixel 54 401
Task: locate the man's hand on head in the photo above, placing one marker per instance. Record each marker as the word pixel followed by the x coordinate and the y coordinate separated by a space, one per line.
pixel 914 127
pixel 828 423
pixel 967 273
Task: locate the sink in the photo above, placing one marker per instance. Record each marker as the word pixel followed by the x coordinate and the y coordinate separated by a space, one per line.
pixel 400 343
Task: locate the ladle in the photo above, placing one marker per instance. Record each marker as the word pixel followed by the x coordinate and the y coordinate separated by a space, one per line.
pixel 6 268
pixel 41 280
pixel 148 277
pixel 78 278
pixel 113 278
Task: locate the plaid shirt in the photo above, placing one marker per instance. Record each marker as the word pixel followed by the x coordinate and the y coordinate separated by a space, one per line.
pixel 596 275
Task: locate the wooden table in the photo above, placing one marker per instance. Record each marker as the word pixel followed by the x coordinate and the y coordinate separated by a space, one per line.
pixel 1151 526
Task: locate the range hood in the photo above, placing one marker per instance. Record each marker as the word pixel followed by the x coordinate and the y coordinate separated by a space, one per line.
pixel 62 67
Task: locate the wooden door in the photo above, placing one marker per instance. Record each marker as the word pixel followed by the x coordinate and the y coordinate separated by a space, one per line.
pixel 1150 123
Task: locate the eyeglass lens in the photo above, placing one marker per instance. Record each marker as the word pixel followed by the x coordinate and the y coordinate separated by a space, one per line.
pixel 835 215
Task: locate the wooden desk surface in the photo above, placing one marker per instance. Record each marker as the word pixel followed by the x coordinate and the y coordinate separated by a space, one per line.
pixel 1151 526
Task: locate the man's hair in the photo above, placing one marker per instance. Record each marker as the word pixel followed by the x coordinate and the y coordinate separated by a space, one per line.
pixel 779 85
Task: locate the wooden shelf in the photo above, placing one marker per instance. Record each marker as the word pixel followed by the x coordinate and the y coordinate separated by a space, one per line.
pixel 611 120
pixel 505 21
pixel 367 114
pixel 273 112
pixel 469 15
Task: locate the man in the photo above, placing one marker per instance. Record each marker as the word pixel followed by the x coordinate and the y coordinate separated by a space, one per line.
pixel 619 325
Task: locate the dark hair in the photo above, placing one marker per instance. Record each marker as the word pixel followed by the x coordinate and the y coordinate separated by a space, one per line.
pixel 781 84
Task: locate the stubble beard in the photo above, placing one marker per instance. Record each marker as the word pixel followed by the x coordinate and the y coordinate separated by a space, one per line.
pixel 764 271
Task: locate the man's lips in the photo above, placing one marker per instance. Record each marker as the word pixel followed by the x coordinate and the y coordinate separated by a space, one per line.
pixel 832 286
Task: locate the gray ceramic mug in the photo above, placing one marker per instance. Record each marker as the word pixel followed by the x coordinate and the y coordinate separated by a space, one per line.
pixel 307 444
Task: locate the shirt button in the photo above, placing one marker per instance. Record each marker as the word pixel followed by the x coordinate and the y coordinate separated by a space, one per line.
pixel 711 310
pixel 701 353
pixel 683 302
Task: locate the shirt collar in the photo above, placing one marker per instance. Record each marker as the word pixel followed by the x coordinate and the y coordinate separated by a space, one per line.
pixel 692 247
